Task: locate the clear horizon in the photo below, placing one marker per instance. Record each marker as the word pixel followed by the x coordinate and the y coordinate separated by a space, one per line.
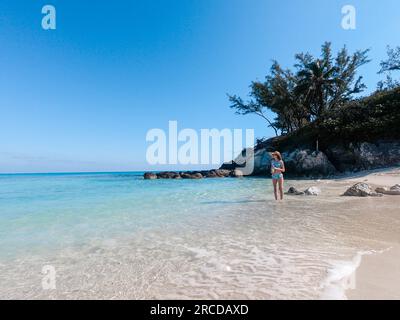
pixel 81 98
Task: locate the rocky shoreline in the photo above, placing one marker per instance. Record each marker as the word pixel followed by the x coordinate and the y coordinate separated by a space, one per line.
pixel 301 161
pixel 304 162
pixel 359 189
pixel 215 173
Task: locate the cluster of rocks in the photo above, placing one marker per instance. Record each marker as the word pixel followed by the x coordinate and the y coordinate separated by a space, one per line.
pixel 312 191
pixel 392 191
pixel 362 189
pixel 304 162
pixel 217 173
pixel 364 155
pixel 308 163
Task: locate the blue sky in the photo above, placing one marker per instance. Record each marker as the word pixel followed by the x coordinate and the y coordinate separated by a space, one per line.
pixel 82 97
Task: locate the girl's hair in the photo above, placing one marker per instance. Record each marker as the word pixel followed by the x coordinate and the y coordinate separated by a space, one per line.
pixel 277 154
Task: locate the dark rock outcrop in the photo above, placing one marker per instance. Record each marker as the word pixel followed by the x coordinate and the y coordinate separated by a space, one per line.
pixel 364 156
pixel 308 163
pixel 304 162
pixel 219 173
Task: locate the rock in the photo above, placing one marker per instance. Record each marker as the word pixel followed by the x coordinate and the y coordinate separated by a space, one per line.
pixel 294 191
pixel 396 187
pixel 197 175
pixel 382 190
pixel 312 191
pixel 361 190
pixel 303 162
pixel 364 156
pixel 308 163
pixel 393 191
pixel 222 173
pixel 358 190
pixel 150 176
pixel 168 175
pixel 209 174
pixel 191 175
pixel 237 173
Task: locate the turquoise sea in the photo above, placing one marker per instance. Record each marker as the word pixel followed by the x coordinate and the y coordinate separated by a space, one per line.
pixel 41 212
pixel 116 235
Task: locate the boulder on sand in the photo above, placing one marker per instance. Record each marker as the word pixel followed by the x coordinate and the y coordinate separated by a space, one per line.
pixel 312 191
pixel 393 191
pixel 294 191
pixel 361 189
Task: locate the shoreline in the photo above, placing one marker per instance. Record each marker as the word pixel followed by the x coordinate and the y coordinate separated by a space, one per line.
pixel 372 275
pixel 232 241
pixel 377 277
pixel 341 277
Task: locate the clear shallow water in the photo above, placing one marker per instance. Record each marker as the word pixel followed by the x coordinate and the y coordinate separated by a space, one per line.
pixel 50 211
pixel 115 235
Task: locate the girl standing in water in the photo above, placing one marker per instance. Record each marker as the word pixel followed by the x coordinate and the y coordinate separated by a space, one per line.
pixel 277 170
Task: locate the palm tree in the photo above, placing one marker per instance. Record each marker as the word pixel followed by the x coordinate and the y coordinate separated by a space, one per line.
pixel 317 82
pixel 301 96
pixel 328 82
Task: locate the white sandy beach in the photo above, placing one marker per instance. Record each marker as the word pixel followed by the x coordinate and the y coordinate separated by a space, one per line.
pixel 378 276
pixel 378 273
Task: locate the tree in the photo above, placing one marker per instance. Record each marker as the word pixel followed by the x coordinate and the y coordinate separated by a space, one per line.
pixel 326 82
pixel 277 95
pixel 387 67
pixel 301 96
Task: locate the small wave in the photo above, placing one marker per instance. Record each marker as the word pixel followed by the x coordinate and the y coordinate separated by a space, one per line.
pixel 342 277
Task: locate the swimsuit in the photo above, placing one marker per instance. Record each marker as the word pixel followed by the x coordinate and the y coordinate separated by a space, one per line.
pixel 278 165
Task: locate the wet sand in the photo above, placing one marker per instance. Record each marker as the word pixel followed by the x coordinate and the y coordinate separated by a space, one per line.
pixel 378 276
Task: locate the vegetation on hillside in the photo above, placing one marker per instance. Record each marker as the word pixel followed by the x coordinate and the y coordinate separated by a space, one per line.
pixel 388 67
pixel 319 100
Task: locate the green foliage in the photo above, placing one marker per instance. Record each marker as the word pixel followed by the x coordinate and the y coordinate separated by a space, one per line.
pixel 304 95
pixel 370 119
pixel 388 67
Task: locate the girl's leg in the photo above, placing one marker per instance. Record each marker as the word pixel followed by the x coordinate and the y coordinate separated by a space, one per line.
pixel 275 182
pixel 280 181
